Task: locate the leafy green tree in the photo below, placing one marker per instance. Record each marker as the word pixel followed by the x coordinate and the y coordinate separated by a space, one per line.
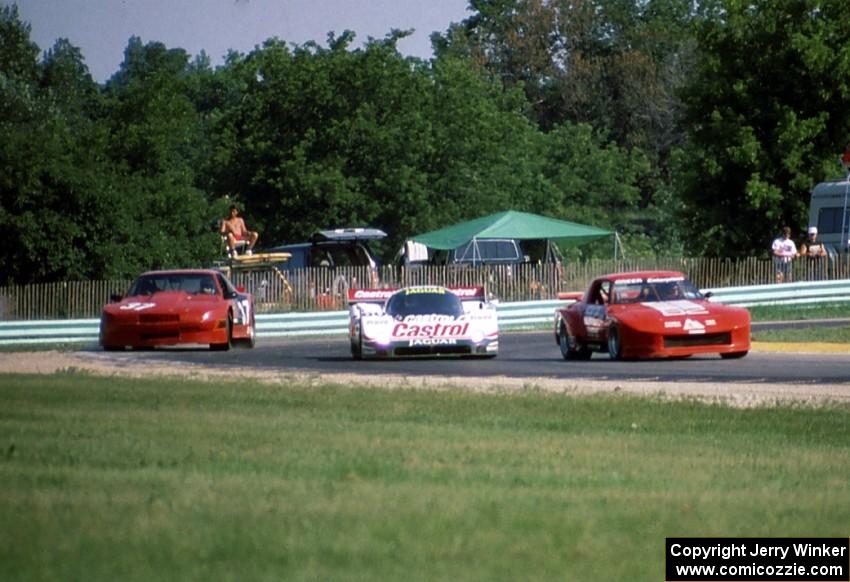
pixel 486 154
pixel 46 177
pixel 156 141
pixel 766 115
pixel 614 64
pixel 96 186
pixel 323 137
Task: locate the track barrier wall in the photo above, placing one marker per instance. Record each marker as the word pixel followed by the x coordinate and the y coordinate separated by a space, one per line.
pixel 512 315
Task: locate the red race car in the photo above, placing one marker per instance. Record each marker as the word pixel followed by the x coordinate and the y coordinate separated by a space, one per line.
pixel 651 314
pixel 166 308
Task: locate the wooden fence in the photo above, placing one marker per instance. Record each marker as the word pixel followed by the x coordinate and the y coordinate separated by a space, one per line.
pixel 317 289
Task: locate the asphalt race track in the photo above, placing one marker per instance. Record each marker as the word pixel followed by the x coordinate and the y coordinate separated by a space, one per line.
pixel 524 354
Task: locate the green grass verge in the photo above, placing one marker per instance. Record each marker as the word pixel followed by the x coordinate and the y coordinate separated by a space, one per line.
pixel 798 312
pixel 112 479
pixel 837 335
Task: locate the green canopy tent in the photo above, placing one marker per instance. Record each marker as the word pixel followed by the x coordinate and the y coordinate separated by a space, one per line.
pixel 510 224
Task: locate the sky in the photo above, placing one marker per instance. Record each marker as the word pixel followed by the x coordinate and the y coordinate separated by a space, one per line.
pixel 101 28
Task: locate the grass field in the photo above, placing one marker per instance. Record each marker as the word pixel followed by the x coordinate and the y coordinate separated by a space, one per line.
pixel 835 335
pixel 109 479
pixel 798 312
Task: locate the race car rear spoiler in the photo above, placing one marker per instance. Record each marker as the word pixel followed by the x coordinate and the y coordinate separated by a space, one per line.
pixel 369 295
pixel 381 295
pixel 571 296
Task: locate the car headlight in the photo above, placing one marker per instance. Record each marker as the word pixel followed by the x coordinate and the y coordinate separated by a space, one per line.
pixel 382 337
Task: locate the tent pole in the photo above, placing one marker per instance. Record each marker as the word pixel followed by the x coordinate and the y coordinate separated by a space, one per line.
pixel 618 244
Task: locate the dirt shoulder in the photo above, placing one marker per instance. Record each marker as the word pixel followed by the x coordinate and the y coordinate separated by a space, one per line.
pixel 739 395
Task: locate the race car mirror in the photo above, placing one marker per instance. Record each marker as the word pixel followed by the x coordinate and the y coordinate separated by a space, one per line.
pixel 115 297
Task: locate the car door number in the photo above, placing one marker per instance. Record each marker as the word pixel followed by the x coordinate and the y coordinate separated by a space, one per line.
pixel 594 320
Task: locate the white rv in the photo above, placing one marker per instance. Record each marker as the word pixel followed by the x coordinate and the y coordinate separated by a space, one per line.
pixel 830 212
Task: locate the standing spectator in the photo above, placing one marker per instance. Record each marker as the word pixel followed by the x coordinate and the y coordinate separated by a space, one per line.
pixel 784 252
pixel 815 253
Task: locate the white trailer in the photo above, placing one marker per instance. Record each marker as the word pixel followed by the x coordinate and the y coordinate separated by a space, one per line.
pixel 830 212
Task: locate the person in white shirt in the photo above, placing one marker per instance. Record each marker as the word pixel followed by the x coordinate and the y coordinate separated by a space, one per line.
pixel 784 252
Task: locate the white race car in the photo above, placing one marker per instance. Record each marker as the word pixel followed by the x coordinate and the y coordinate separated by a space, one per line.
pixel 422 321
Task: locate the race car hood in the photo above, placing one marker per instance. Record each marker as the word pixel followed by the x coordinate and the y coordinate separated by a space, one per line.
pixel 163 303
pixel 681 316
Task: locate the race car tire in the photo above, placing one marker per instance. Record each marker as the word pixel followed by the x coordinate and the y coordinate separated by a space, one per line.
pixel 570 348
pixel 615 344
pixel 734 355
pixel 113 348
pixel 357 349
pixel 252 341
pixel 223 347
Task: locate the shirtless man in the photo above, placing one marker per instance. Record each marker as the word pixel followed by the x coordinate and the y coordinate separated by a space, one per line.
pixel 233 227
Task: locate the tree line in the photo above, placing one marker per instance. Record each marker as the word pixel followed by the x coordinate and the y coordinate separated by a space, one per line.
pixel 692 128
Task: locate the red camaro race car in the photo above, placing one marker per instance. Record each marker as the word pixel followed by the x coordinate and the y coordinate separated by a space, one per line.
pixel 166 308
pixel 652 314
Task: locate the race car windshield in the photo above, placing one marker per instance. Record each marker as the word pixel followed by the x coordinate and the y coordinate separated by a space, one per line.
pixel 407 303
pixel 194 283
pixel 649 291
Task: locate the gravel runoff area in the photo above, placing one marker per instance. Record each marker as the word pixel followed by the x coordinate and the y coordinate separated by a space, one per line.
pixel 739 395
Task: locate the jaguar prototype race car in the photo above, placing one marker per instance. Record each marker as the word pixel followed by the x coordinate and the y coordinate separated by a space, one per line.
pixel 653 314
pixel 166 308
pixel 422 321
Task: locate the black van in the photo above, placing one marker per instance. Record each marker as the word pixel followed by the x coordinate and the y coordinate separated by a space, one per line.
pixel 341 247
pixel 330 251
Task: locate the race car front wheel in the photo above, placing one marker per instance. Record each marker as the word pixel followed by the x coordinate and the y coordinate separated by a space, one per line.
pixel 570 348
pixel 357 348
pixel 223 347
pixel 252 341
pixel 615 345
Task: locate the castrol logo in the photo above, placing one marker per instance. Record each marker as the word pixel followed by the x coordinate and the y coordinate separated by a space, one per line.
pixel 367 294
pixel 453 329
pixel 467 292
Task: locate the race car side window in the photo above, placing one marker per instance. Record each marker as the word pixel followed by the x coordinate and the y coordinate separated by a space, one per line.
pixel 226 286
pixel 207 286
pixel 601 293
